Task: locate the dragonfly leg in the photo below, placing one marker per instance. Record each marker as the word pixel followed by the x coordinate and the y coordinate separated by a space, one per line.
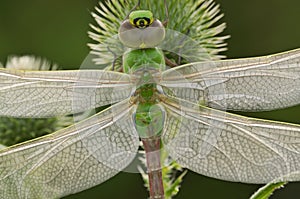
pixel 136 5
pixel 170 62
pixel 180 43
pixel 115 58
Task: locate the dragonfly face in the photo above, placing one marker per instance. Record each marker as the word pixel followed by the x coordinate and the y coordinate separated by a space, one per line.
pixel 141 30
pixel 141 18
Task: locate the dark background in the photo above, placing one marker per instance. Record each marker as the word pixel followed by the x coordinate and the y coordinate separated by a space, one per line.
pixel 56 29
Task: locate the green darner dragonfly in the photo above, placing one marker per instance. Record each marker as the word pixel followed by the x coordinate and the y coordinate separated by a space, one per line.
pixel 197 137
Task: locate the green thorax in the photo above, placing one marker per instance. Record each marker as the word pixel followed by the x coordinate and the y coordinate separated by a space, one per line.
pixel 139 59
pixel 148 116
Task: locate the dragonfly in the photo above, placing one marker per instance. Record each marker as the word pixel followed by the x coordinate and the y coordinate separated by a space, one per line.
pixel 182 109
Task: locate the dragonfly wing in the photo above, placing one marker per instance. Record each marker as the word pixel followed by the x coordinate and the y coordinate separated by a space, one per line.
pixel 72 159
pixel 52 93
pixel 231 147
pixel 251 84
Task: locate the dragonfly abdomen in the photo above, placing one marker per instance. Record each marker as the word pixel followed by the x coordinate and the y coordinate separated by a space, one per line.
pixel 149 122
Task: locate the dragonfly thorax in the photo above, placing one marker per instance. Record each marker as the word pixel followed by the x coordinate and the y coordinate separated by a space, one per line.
pixel 143 60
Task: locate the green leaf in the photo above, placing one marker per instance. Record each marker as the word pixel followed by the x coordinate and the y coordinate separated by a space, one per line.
pixel 266 191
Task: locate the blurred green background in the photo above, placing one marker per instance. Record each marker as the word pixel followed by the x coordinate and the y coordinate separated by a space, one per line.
pixel 57 30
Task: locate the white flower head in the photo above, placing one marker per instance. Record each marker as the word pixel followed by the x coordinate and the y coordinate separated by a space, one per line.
pixel 29 62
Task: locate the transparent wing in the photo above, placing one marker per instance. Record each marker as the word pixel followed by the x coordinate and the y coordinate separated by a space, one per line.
pixel 72 159
pixel 51 93
pixel 251 84
pixel 231 147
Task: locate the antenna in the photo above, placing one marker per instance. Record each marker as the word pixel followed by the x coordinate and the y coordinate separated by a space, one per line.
pixel 136 5
pixel 167 14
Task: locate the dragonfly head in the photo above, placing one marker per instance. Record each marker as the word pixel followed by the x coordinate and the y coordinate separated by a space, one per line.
pixel 141 30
